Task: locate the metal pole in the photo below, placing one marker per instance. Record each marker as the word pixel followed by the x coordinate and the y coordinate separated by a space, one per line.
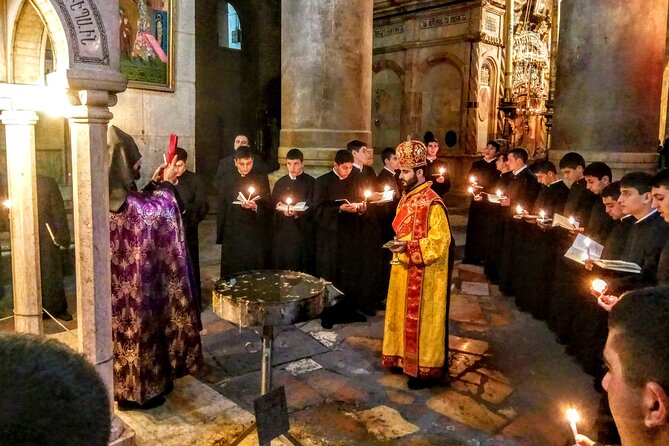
pixel 508 72
pixel 266 368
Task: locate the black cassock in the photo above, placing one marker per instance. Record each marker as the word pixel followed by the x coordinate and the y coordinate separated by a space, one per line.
pixel 227 164
pixel 368 245
pixel 432 174
pixel 590 325
pixel 522 190
pixel 540 252
pixel 192 193
pixel 644 246
pixel 334 230
pixel 495 230
pixel 51 211
pixel 242 233
pixel 486 174
pixel 292 246
pixel 663 267
pixel 390 179
pixel 569 278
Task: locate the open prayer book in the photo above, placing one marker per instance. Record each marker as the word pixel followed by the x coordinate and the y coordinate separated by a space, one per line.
pixel 241 199
pixel 563 222
pixel 585 248
pixel 493 198
pixel 300 206
pixel 387 197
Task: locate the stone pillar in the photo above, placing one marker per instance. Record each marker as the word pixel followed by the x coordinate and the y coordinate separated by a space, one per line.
pixel 88 133
pixel 326 82
pixel 609 82
pixel 22 183
pixel 471 136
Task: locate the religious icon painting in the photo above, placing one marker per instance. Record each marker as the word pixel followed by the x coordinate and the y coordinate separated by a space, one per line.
pixel 146 43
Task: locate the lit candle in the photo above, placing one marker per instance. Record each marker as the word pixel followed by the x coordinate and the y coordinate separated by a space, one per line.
pixel 368 193
pixel 599 286
pixel 542 214
pixel 251 190
pixel 386 188
pixel 499 193
pixel 519 209
pixel 472 179
pixel 289 201
pixel 470 189
pixel 7 204
pixel 573 417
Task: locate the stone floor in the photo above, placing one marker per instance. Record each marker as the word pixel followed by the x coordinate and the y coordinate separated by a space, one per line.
pixel 510 382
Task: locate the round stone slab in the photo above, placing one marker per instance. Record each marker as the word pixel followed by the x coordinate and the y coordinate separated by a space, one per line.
pixel 268 297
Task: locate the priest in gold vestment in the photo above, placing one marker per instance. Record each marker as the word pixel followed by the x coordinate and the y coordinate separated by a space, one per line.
pixel 416 323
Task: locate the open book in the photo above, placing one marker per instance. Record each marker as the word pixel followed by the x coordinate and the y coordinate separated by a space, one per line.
pixel 388 196
pixel 584 248
pixel 297 207
pixel 618 265
pixel 241 199
pixel 563 222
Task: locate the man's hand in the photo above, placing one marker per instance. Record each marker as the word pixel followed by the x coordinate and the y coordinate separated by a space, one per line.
pixel 506 202
pixel 589 264
pixel 399 247
pixel 250 205
pixel 166 172
pixel 582 440
pixel 478 197
pixel 607 302
pixel 441 179
pixel 348 207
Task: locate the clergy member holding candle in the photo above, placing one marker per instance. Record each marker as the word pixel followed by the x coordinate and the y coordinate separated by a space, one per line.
pixel 496 220
pixel 292 246
pixel 243 229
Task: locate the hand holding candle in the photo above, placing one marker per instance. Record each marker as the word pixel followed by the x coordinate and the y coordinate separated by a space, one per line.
pixel 251 190
pixel 368 193
pixel 519 210
pixel 472 179
pixel 573 417
pixel 289 201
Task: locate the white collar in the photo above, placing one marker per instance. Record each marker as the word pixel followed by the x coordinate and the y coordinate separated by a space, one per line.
pixel 431 159
pixel 295 177
pixel 335 172
pixel 516 172
pixel 389 170
pixel 556 181
pixel 654 211
pixel 358 166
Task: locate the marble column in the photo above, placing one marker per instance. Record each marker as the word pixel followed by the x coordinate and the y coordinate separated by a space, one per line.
pixel 326 82
pixel 88 133
pixel 22 187
pixel 609 82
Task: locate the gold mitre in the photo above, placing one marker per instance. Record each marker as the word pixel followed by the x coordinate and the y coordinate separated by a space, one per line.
pixel 411 153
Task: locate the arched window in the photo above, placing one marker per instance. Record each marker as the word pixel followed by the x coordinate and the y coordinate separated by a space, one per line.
pixel 229 29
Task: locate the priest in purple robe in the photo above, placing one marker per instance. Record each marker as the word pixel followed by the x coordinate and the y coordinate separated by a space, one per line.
pixel 155 322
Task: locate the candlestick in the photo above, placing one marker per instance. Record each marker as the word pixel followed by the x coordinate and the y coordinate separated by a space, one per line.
pixel 368 193
pixel 289 201
pixel 573 222
pixel 519 209
pixel 251 190
pixel 441 172
pixel 573 417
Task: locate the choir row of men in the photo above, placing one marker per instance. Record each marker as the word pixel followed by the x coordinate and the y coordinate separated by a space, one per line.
pixel 337 235
pixel 525 256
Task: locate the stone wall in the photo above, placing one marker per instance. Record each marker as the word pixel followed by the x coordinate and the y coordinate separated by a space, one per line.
pixel 150 116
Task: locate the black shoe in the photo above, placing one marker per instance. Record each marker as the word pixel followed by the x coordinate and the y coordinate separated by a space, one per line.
pixel 396 370
pixel 327 323
pixel 158 401
pixel 420 383
pixel 168 389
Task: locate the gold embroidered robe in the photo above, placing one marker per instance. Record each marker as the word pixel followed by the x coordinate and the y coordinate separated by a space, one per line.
pixel 415 331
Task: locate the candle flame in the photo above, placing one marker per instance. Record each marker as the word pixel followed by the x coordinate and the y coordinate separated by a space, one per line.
pixel 368 193
pixel 289 200
pixel 572 221
pixel 499 192
pixel 542 213
pixel 251 190
pixel 7 204
pixel 386 188
pixel 442 170
pixel 470 189
pixel 519 209
pixel 573 416
pixel 472 179
pixel 599 285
